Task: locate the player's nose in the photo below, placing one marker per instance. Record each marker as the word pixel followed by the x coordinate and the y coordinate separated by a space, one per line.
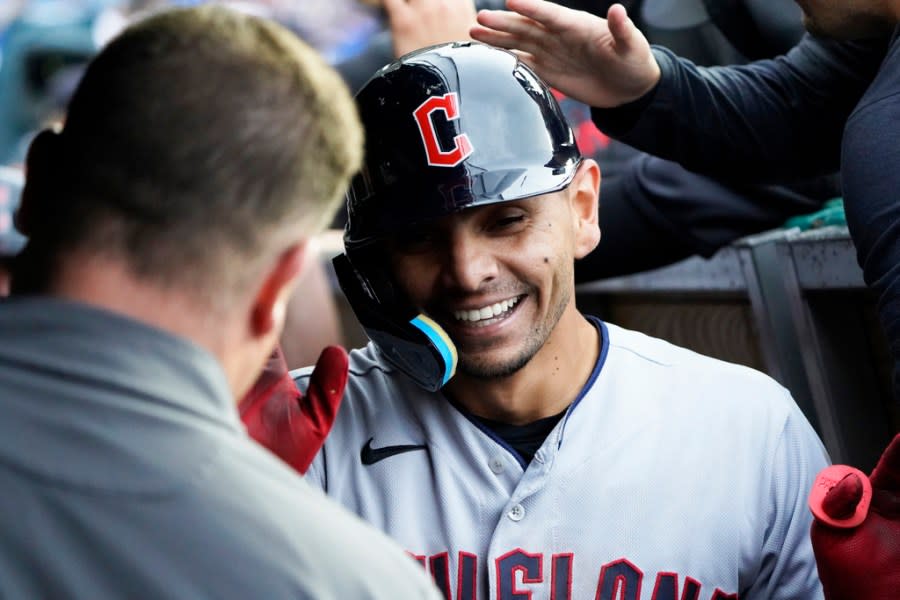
pixel 468 262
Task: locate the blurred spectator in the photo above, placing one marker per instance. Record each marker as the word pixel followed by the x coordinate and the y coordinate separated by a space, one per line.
pixel 11 241
pixel 390 42
pixel 42 39
pixel 39 38
pixel 337 28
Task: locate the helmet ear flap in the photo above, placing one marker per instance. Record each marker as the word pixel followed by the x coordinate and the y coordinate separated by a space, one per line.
pixel 413 342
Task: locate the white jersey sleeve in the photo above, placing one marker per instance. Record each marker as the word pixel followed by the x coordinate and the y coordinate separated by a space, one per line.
pixel 787 565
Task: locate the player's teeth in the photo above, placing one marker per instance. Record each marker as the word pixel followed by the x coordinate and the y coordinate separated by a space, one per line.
pixel 487 312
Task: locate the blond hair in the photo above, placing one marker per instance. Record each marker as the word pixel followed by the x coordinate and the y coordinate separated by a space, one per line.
pixel 197 135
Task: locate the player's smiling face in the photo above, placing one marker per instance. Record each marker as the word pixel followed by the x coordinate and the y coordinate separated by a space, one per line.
pixel 498 278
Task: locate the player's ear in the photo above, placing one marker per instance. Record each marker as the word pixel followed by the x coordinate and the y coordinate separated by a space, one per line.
pixel 585 197
pixel 270 303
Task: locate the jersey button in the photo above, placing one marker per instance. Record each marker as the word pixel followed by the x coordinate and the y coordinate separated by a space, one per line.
pixel 516 513
pixel 496 465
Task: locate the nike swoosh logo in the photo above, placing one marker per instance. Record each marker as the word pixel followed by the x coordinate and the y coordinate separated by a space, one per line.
pixel 369 455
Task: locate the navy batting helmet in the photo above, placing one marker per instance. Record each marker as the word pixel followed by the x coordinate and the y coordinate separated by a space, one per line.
pixel 447 128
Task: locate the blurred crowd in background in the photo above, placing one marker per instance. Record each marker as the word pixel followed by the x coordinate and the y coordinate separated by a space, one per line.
pixel 46 44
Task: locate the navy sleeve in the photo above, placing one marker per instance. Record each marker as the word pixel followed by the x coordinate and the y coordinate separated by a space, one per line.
pixel 785 117
pixel 768 120
pixel 871 163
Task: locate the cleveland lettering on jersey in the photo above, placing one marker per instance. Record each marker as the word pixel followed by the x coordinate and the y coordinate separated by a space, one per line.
pixel 518 572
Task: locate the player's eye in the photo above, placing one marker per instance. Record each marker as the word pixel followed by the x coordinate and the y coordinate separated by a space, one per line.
pixel 413 241
pixel 508 222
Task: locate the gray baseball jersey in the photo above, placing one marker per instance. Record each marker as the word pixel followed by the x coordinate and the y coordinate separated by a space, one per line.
pixel 672 476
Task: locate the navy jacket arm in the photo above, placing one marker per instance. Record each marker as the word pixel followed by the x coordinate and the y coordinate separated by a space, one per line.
pixel 768 120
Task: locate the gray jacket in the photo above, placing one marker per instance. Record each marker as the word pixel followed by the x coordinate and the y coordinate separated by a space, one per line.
pixel 125 472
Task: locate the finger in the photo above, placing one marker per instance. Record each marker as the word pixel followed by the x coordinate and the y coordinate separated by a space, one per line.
pixel 326 387
pixel 841 501
pixel 506 22
pixel 839 482
pixel 493 37
pixel 549 14
pixel 510 31
pixel 621 27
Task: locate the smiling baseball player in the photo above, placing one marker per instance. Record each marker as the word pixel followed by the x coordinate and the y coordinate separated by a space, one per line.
pixel 517 448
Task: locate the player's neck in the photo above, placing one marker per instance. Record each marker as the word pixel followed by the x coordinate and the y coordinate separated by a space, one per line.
pixel 108 283
pixel 544 387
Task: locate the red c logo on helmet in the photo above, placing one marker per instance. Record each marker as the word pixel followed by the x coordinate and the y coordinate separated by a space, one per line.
pixel 437 157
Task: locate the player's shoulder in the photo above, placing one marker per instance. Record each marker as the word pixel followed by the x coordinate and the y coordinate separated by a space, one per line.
pixel 366 364
pixel 666 377
pixel 634 347
pixel 372 378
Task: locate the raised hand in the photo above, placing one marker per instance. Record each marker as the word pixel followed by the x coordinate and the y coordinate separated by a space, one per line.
pixel 415 24
pixel 600 62
pixel 856 531
pixel 291 425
